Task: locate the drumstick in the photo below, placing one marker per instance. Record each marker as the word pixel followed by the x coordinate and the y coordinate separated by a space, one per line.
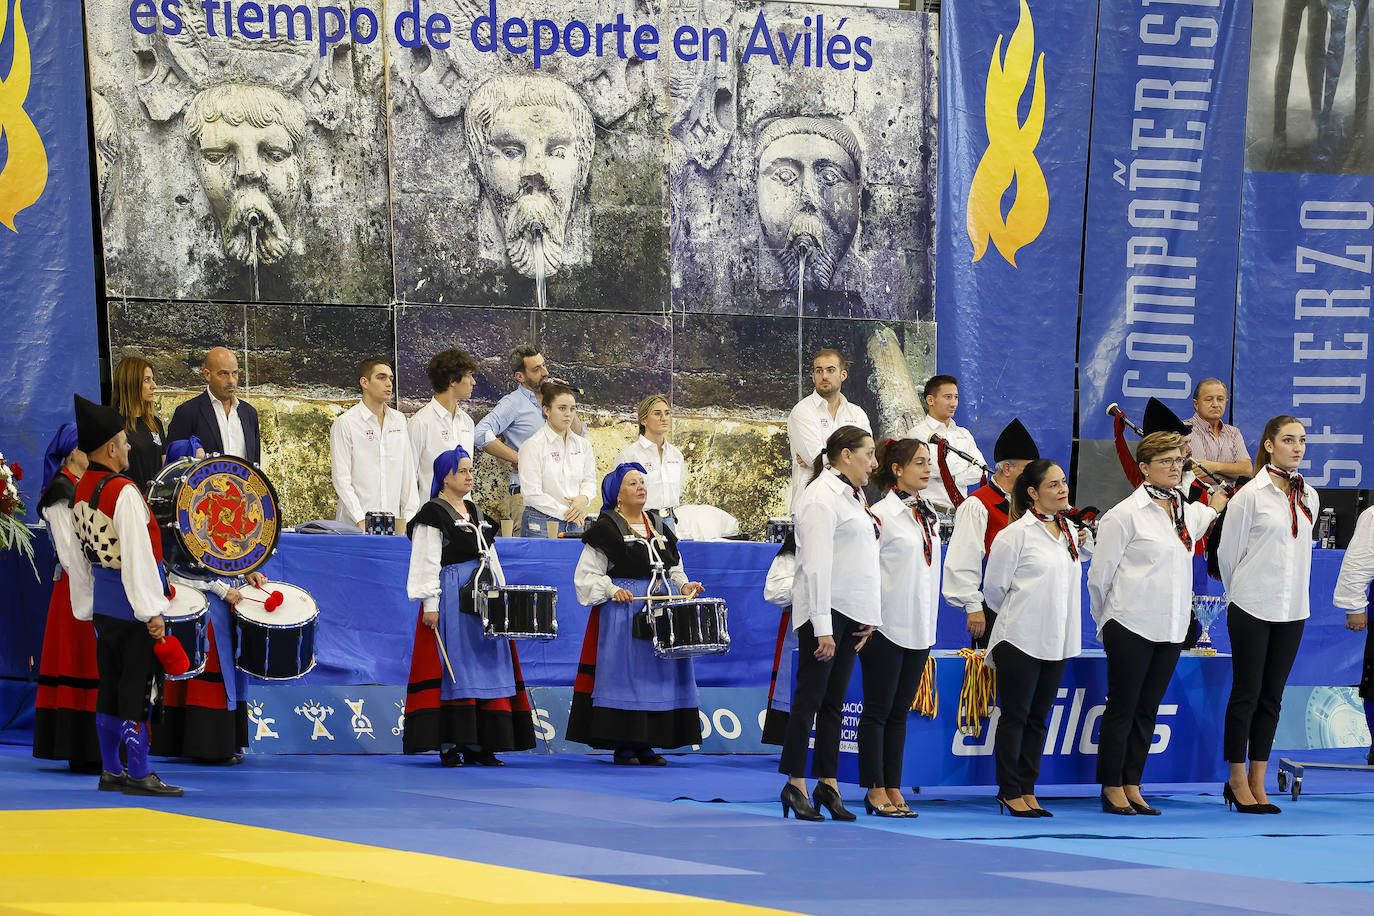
pixel 444 652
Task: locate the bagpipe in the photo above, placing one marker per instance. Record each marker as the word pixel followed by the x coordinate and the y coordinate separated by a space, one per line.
pixel 1128 463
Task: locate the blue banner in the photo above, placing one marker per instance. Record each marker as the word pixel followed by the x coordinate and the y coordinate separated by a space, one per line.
pixel 1164 185
pixel 1015 100
pixel 1186 746
pixel 47 283
pixel 1303 323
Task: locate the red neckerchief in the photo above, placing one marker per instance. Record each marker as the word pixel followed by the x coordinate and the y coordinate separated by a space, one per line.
pixel 1059 519
pixel 924 514
pixel 863 501
pixel 1175 511
pixel 1296 494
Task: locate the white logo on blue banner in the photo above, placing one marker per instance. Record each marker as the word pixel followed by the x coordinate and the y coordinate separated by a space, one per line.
pixel 316 713
pixel 360 723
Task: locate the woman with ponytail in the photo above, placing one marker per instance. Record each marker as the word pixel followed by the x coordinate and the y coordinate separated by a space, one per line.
pixel 895 659
pixel 1034 582
pixel 835 606
pixel 1265 559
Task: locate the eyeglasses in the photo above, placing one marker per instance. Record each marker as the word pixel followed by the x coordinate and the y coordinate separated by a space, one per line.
pixel 1169 462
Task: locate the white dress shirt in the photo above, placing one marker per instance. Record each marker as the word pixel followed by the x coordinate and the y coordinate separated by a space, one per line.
pixel 963 580
pixel 1141 574
pixel 433 430
pixel 777 586
pixel 965 474
pixel 837 558
pixel 426 552
pixel 594 586
pixel 1265 569
pixel 62 528
pixel 371 465
pixel 664 475
pixel 809 425
pixel 910 587
pixel 138 570
pixel 1035 586
pixel 230 426
pixel 555 469
pixel 1357 569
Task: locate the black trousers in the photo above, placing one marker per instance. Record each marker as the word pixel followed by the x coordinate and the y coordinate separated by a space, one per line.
pixel 124 657
pixel 1138 673
pixel 989 618
pixel 1025 692
pixel 821 686
pixel 1262 654
pixel 891 676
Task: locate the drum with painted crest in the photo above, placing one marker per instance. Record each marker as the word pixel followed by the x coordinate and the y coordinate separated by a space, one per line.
pixel 688 627
pixel 518 611
pixel 221 511
pixel 779 529
pixel 188 619
pixel 276 644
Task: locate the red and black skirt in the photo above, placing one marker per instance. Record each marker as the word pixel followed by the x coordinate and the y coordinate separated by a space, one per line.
pixel 433 723
pixel 68 679
pixel 196 719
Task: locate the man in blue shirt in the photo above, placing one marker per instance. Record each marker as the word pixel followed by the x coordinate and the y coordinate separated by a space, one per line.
pixel 514 419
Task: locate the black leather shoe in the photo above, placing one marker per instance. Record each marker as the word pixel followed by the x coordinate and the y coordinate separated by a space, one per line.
pixel 111 782
pixel 886 809
pixel 626 759
pixel 823 796
pixel 1109 808
pixel 151 785
pixel 1144 809
pixel 648 758
pixel 795 800
pixel 482 758
pixel 452 757
pixel 1229 796
pixel 1041 812
pixel 1003 805
pixel 1271 808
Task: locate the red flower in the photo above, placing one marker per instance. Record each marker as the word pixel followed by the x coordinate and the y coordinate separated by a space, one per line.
pixel 18 471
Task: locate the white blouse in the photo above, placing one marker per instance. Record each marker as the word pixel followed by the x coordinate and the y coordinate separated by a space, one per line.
pixel 777 587
pixel 426 552
pixel 1141 574
pixel 837 558
pixel 1265 569
pixel 1035 587
pixel 910 586
pixel 595 587
pixel 1357 569
pixel 554 469
pixel 664 475
pixel 62 528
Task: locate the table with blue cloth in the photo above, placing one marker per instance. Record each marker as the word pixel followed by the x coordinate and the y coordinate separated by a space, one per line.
pixel 367 625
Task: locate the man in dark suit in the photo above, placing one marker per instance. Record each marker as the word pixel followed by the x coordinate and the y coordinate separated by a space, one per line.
pixel 216 416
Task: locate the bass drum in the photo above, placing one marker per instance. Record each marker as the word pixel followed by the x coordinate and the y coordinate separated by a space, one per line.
pixel 221 511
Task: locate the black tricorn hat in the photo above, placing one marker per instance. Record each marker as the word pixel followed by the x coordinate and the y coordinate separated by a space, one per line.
pixel 1014 444
pixel 95 425
pixel 1160 419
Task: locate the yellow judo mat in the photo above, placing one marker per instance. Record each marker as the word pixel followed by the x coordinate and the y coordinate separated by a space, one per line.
pixel 112 862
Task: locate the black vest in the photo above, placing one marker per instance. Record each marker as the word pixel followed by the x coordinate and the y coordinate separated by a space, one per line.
pixel 627 551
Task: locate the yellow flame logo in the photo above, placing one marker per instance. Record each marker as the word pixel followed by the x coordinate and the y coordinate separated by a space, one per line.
pixel 1011 151
pixel 24 174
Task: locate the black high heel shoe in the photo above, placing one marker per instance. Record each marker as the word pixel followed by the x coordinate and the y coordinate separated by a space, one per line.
pixel 886 809
pixel 1109 808
pixel 1229 797
pixel 1003 805
pixel 823 796
pixel 795 800
pixel 1142 808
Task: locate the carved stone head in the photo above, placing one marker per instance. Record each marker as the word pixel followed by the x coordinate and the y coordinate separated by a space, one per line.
pixel 810 177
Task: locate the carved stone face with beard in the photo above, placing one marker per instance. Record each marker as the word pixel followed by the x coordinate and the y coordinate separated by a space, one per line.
pixel 531 138
pixel 245 143
pixel 809 184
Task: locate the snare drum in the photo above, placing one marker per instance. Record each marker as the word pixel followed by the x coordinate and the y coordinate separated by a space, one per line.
pixel 687 627
pixel 779 529
pixel 188 620
pixel 518 611
pixel 276 645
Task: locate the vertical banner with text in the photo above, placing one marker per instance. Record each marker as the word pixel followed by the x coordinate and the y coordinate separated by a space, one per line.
pixel 1015 100
pixel 1307 239
pixel 1164 186
pixel 47 259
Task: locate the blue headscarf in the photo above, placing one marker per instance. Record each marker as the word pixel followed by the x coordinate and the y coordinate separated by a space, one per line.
pixel 62 445
pixel 445 463
pixel 181 448
pixel 610 484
